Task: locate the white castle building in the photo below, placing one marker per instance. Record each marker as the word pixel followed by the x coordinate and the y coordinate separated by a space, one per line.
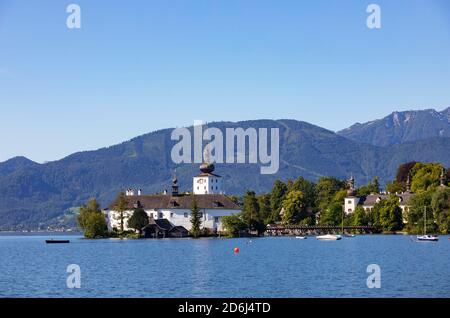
pixel 172 212
pixel 351 201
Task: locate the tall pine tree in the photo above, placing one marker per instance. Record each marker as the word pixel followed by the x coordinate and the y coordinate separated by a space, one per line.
pixel 195 220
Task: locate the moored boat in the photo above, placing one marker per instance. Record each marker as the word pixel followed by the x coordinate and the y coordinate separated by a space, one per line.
pixel 52 241
pixel 426 237
pixel 301 237
pixel 329 237
pixel 429 238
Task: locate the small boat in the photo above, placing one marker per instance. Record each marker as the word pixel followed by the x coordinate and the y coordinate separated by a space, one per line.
pixel 426 237
pixel 52 241
pixel 429 238
pixel 301 237
pixel 348 235
pixel 329 237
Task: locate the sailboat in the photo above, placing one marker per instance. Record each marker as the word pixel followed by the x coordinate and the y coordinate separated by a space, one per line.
pixel 426 237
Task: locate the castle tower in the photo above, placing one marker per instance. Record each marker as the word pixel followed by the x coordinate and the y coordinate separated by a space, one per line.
pixel 207 182
pixel 351 200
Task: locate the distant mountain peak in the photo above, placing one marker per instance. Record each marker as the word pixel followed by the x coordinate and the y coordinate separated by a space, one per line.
pixel 19 160
pixel 401 126
pixel 16 163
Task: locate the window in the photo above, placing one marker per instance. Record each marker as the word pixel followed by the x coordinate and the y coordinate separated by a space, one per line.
pixel 171 214
pixel 186 215
pixel 216 219
pixel 160 215
pixel 349 202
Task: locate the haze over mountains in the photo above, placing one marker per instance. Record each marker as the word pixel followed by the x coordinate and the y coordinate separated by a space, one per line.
pixel 37 195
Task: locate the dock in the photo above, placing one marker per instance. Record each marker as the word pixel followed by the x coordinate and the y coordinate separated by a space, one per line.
pixel 294 230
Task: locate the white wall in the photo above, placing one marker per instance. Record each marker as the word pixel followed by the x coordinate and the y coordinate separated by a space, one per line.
pixel 350 204
pixel 207 185
pixel 176 217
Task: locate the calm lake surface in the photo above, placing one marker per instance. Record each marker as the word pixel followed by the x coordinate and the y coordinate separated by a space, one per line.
pixel 265 267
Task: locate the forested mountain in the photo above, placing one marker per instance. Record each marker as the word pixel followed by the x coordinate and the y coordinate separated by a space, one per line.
pixel 401 127
pixel 35 195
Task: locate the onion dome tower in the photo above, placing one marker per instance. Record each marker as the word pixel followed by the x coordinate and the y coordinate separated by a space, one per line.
pixel 207 182
pixel 351 192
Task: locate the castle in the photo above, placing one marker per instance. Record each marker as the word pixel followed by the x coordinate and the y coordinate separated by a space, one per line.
pixel 169 214
pixel 351 201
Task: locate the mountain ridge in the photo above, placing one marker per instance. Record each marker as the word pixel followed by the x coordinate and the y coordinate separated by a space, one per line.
pixel 401 126
pixel 38 195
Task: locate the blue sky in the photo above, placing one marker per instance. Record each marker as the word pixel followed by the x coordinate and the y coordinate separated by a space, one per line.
pixel 137 66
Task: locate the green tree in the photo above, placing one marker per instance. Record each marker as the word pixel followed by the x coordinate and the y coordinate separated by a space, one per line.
pixel 373 217
pixel 278 194
pixel 394 187
pixel 372 187
pixel 264 208
pixel 251 214
pixel 391 218
pixel 425 176
pixel 233 224
pixel 308 189
pixel 195 220
pixel 138 220
pixel 121 206
pixel 92 221
pixel 440 205
pixel 326 189
pixel 418 204
pixel 294 207
pixel 332 215
pixel 359 217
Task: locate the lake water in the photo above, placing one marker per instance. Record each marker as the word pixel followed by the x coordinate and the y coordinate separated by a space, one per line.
pixel 265 267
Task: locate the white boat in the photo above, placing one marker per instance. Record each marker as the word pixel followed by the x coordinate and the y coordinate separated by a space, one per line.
pixel 301 237
pixel 348 235
pixel 429 238
pixel 329 237
pixel 426 237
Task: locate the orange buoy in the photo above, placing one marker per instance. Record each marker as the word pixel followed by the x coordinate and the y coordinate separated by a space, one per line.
pixel 236 250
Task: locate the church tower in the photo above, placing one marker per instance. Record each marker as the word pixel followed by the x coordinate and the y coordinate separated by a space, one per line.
pixel 351 200
pixel 207 182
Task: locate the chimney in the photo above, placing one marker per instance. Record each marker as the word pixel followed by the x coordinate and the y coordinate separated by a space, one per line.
pixel 139 191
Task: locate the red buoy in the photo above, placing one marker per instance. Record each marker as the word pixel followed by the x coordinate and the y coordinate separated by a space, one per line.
pixel 236 250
